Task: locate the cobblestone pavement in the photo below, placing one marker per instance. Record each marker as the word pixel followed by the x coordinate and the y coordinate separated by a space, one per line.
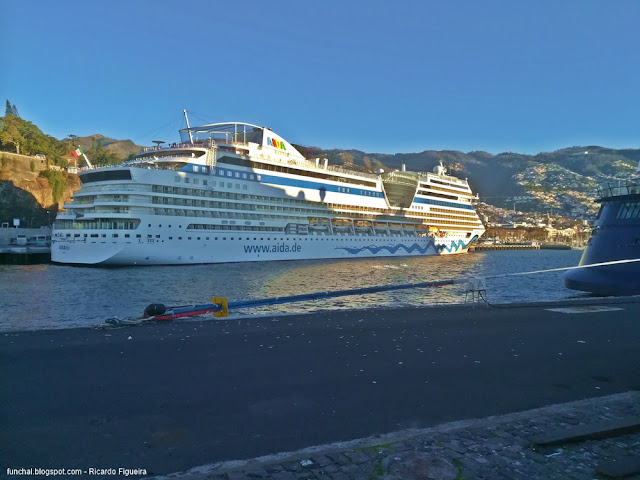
pixel 494 448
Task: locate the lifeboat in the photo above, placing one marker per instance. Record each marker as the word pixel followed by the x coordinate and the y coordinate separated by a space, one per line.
pixel 318 224
pixel 341 223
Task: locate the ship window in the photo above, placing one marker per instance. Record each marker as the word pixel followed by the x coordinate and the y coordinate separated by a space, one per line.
pixel 186 180
pixel 630 210
pixel 229 173
pixel 177 179
pixel 196 181
pixel 205 182
pixel 195 168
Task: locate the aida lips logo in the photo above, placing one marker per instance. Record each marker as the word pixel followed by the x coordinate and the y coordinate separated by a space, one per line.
pixel 276 143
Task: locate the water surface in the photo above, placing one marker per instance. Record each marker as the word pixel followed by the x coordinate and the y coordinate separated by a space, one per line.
pixel 54 296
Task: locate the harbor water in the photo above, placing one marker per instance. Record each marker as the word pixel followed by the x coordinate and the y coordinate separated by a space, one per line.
pixel 54 296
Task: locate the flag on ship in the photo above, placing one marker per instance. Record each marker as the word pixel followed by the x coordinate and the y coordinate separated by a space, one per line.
pixel 77 152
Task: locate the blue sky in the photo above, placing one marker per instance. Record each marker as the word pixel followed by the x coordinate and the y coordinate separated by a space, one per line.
pixel 376 76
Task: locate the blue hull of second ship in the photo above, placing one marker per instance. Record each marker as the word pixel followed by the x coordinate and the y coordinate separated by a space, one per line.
pixel 615 236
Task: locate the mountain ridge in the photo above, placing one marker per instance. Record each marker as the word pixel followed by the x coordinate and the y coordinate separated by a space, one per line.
pixel 562 182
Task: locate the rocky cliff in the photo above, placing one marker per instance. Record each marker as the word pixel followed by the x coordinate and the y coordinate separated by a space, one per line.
pixel 26 195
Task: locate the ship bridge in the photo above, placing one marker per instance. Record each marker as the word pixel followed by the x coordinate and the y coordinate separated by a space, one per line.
pixel 400 188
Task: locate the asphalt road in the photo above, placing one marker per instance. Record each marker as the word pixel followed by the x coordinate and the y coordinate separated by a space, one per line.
pixel 178 395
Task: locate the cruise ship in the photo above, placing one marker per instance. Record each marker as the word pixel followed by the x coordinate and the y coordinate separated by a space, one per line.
pixel 236 192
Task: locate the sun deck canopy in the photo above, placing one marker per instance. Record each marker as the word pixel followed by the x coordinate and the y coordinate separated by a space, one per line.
pixel 237 133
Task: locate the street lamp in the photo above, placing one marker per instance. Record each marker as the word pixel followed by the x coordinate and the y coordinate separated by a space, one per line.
pixel 48 218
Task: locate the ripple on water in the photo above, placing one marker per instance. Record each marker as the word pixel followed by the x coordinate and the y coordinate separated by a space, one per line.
pixel 56 296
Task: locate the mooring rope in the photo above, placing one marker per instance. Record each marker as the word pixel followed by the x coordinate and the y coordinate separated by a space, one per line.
pixel 560 269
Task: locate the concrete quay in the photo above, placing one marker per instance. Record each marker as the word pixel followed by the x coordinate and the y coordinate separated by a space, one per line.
pixel 450 381
pixel 493 448
pixel 25 246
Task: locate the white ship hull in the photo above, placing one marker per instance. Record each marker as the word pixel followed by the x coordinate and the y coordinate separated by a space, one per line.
pixel 240 248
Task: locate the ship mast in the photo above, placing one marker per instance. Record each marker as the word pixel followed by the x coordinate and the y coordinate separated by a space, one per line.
pixel 188 126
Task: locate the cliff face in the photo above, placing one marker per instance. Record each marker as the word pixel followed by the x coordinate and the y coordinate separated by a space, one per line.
pixel 26 195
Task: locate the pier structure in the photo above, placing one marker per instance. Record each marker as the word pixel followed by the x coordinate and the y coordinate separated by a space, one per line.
pixel 518 246
pixel 25 246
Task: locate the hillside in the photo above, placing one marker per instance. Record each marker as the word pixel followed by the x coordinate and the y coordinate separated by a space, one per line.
pixel 561 182
pixel 103 150
pixel 28 195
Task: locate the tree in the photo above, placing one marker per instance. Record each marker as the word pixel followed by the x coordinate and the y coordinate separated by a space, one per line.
pixel 102 156
pixel 58 182
pixel 8 110
pixel 14 110
pixel 10 132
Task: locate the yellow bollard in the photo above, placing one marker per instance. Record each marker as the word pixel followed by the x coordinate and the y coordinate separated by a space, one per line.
pixel 225 307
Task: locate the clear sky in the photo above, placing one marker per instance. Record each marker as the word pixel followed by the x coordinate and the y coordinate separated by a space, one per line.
pixel 378 76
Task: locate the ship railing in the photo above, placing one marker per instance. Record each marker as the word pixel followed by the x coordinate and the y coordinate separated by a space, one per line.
pixel 609 190
pixel 448 177
pixel 170 146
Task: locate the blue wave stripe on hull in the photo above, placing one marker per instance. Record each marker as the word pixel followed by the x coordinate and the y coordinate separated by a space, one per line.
pixel 393 249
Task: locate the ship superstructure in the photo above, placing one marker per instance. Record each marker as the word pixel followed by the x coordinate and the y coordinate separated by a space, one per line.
pixel 615 237
pixel 233 192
